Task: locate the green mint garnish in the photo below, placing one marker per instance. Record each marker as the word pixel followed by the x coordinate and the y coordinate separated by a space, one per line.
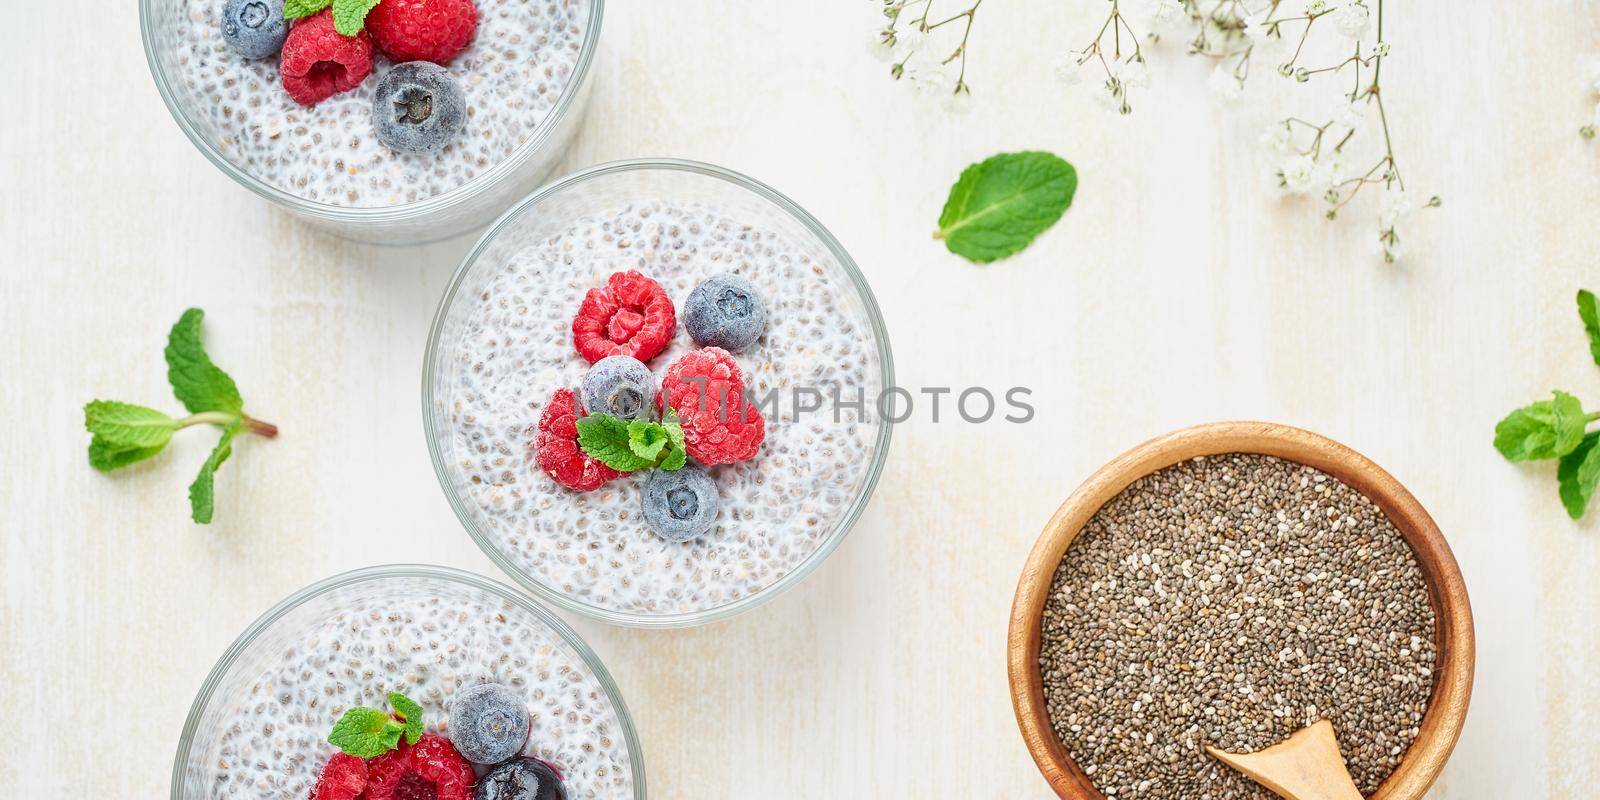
pixel 410 712
pixel 999 205
pixel 1558 428
pixel 349 16
pixel 1546 429
pixel 125 434
pixel 366 732
pixel 296 9
pixel 635 445
pixel 1591 321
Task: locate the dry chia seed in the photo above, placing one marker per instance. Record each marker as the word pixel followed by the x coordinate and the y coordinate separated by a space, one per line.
pixel 1231 601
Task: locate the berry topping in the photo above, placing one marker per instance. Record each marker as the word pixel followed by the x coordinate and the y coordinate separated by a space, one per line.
pixel 429 770
pixel 523 779
pixel 488 723
pixel 418 107
pixel 724 311
pixel 631 316
pixel 680 505
pixel 706 388
pixel 318 63
pixel 621 386
pixel 423 30
pixel 344 777
pixel 556 450
pixel 254 28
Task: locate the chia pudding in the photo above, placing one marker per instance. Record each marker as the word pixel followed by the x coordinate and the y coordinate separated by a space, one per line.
pixel 509 342
pixel 1230 601
pixel 432 641
pixel 513 72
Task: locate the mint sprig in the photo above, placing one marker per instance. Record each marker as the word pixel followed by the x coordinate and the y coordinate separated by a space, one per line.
pixel 1001 204
pixel 1558 428
pixel 349 16
pixel 634 445
pixel 124 433
pixel 368 733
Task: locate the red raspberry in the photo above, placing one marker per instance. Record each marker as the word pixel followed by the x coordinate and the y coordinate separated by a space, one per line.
pixel 318 63
pixel 706 388
pixel 343 778
pixel 631 316
pixel 431 769
pixel 556 449
pixel 423 30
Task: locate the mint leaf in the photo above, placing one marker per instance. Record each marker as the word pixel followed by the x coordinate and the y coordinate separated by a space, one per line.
pixel 201 498
pixel 365 732
pixel 647 439
pixel 1546 429
pixel 1579 474
pixel 677 455
pixel 675 460
pixel 350 15
pixel 605 439
pixel 1591 321
pixel 409 711
pixel 105 456
pixel 199 384
pixel 126 426
pixel 295 9
pixel 999 205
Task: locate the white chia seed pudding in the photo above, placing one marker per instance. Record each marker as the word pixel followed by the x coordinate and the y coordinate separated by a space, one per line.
pixel 425 643
pixel 515 70
pixel 514 349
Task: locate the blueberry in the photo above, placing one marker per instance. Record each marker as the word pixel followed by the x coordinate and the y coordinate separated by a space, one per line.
pixel 488 723
pixel 254 28
pixel 523 779
pixel 621 386
pixel 725 311
pixel 418 107
pixel 680 505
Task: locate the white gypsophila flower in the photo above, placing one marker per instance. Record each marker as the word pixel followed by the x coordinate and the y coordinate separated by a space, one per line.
pixel 1316 6
pixel 1224 84
pixel 1256 28
pixel 1393 208
pixel 930 77
pixel 1352 19
pixel 884 41
pixel 1390 247
pixel 1349 114
pixel 1592 74
pixel 1132 73
pixel 1068 70
pixel 908 40
pixel 1381 50
pixel 1160 16
pixel 1277 138
pixel 959 101
pixel 1301 174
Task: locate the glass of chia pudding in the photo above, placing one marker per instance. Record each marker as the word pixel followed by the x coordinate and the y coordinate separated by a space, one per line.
pixel 604 303
pixel 452 654
pixel 425 123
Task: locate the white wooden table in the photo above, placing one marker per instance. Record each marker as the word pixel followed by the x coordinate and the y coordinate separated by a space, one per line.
pixel 1176 290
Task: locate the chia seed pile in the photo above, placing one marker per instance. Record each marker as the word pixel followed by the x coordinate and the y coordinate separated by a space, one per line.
pixel 1231 601
pixel 513 73
pixel 430 648
pixel 595 546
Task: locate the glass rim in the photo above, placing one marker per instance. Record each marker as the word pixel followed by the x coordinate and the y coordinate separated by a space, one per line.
pixel 378 214
pixel 823 549
pixel 596 667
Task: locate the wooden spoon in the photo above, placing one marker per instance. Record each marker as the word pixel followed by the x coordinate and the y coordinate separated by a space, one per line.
pixel 1306 766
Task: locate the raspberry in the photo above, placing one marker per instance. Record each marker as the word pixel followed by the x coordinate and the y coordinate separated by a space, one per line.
pixel 706 388
pixel 431 769
pixel 343 778
pixel 318 63
pixel 631 316
pixel 556 449
pixel 423 30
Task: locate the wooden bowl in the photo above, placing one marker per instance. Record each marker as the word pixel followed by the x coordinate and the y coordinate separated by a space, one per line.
pixel 1447 708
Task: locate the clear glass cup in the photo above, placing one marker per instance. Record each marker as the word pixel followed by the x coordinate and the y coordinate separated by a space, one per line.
pixel 285 626
pixel 464 208
pixel 597 190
